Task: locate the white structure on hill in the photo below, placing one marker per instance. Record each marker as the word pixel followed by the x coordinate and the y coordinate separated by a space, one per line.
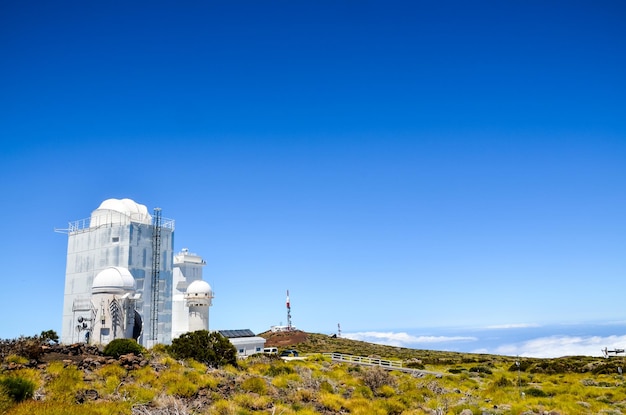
pixel 113 304
pixel 245 341
pixel 192 296
pixel 122 235
pixel 198 299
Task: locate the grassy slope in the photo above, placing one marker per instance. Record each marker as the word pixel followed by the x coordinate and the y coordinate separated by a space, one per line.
pixel 476 383
pixel 320 343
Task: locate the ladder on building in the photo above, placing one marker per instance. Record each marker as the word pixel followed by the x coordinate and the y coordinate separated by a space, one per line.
pixel 156 271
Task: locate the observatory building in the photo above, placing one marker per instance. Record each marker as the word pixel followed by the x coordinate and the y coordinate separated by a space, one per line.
pixel 122 279
pixel 113 300
pixel 192 296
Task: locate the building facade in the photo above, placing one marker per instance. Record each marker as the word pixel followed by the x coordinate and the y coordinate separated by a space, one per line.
pixel 119 233
pixel 188 286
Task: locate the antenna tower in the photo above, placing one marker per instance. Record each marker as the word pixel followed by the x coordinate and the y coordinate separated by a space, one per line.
pixel 288 312
pixel 156 270
pixel 338 330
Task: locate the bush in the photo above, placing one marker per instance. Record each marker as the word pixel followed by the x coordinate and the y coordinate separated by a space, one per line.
pixel 49 336
pixel 119 347
pixel 212 349
pixel 376 377
pixel 65 382
pixel 278 368
pixel 481 369
pixel 523 366
pixel 503 382
pixel 414 364
pixel 255 385
pixel 28 347
pixel 536 392
pixel 18 389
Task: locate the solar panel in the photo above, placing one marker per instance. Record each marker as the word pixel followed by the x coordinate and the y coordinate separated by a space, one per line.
pixel 231 334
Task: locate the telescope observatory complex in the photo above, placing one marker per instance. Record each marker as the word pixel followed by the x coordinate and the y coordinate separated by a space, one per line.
pixel 123 280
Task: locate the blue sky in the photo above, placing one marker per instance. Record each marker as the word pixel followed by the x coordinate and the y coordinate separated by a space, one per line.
pixel 394 165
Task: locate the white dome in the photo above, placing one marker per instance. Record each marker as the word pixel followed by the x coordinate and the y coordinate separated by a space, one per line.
pixel 199 288
pixel 113 280
pixel 120 211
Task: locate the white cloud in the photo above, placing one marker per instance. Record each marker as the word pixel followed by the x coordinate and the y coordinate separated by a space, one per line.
pixel 558 346
pixel 512 326
pixel 403 339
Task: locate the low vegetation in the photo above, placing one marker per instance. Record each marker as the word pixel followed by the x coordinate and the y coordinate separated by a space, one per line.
pixel 167 381
pixel 212 349
pixel 119 347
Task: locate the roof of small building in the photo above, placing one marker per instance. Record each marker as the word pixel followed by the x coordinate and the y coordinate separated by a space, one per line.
pixel 231 334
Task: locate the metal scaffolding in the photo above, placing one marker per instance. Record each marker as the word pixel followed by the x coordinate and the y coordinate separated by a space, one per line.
pixel 156 271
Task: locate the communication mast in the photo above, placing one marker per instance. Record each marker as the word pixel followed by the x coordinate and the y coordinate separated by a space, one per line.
pixel 156 271
pixel 288 313
pixel 338 330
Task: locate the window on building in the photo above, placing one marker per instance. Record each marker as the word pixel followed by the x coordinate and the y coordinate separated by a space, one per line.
pixel 116 239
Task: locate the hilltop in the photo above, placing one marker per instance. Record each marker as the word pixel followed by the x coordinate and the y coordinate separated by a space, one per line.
pixel 320 343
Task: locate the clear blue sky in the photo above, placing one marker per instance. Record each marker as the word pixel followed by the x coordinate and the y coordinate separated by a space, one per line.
pixel 393 164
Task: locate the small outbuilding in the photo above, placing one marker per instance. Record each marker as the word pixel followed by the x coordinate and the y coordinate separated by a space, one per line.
pixel 245 341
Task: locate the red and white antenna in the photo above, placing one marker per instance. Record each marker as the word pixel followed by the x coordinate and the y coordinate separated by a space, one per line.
pixel 288 312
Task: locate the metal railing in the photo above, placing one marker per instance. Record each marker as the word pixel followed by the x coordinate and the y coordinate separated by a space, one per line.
pixel 362 360
pixel 383 363
pixel 85 224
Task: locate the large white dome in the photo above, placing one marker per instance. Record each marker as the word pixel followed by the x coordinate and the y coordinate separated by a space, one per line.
pixel 113 280
pixel 119 211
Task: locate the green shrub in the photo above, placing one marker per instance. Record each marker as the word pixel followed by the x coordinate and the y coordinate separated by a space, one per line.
pixel 13 358
pixel 536 392
pixel 278 368
pixel 49 336
pixel 212 349
pixel 502 382
pixel 255 385
pixel 18 389
pixel 159 348
pixel 119 347
pixel 376 377
pixel 481 369
pixel 385 391
pixel 523 366
pixel 414 365
pixel 325 386
pixel 64 382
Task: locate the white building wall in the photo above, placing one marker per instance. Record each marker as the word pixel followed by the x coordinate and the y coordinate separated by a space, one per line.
pixel 247 346
pixel 119 243
pixel 109 325
pixel 198 317
pixel 187 268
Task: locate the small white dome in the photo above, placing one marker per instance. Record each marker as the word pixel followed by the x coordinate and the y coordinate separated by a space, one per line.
pixel 113 280
pixel 199 288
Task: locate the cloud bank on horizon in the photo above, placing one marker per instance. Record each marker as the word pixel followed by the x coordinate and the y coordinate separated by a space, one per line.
pixel 403 339
pixel 540 347
pixel 558 346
